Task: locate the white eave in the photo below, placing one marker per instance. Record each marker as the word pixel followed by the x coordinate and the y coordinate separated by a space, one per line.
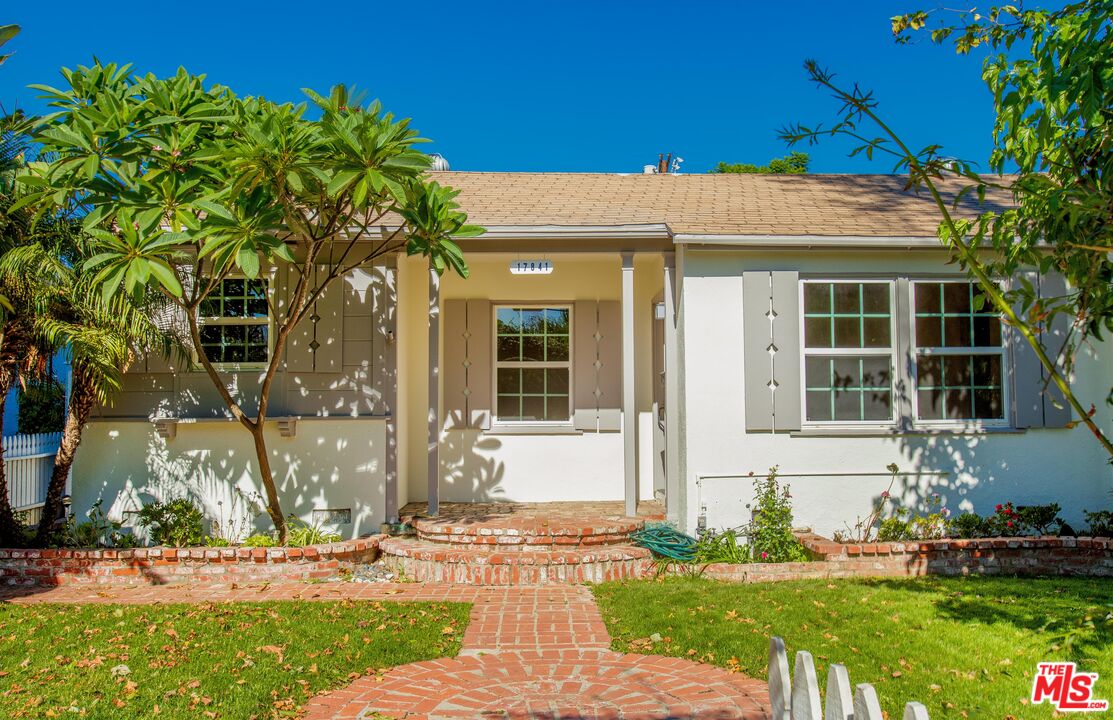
pixel 807 242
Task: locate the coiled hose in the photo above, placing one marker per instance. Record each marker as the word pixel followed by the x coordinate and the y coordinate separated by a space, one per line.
pixel 664 540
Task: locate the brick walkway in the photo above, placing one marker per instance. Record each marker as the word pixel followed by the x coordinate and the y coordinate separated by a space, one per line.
pixel 529 652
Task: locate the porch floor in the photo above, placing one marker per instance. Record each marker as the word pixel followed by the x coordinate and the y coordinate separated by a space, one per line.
pixel 509 512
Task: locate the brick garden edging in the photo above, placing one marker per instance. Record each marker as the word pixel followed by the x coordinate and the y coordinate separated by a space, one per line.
pixel 1032 556
pixel 164 566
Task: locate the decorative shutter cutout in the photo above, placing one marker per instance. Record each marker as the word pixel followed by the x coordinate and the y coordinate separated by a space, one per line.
pixel 771 343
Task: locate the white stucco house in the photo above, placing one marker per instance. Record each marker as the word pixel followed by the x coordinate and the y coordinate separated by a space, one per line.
pixel 624 337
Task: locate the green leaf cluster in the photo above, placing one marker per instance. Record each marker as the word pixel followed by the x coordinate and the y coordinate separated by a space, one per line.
pixel 795 163
pixel 163 170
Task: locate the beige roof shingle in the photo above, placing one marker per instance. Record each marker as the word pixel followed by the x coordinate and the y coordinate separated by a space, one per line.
pixel 821 205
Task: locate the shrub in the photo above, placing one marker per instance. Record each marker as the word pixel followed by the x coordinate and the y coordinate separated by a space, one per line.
pixel 721 547
pixel 259 540
pixel 771 538
pixel 1044 519
pixel 1005 521
pixel 217 541
pixel 907 525
pixel 96 532
pixel 969 525
pixel 42 406
pixel 302 533
pixel 1100 522
pixel 177 523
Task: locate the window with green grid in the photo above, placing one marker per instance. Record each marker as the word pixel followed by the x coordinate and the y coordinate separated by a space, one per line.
pixel 236 322
pixel 848 349
pixel 533 363
pixel 959 353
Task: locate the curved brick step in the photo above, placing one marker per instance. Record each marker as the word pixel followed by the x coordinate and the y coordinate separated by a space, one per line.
pixel 553 684
pixel 425 561
pixel 526 531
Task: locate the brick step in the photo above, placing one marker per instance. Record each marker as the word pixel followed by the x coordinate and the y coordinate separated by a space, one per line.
pixel 424 561
pixel 517 533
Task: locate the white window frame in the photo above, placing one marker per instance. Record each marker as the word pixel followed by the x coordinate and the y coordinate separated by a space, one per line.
pixel 892 353
pixel 914 348
pixel 496 421
pixel 203 321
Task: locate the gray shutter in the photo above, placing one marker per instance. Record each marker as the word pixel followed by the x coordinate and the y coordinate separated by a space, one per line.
pixel 1056 412
pixel 1026 371
pixel 467 364
pixel 328 329
pixel 771 343
pixel 384 356
pixel 299 354
pixel 480 367
pixel 317 342
pixel 1033 406
pixel 455 348
pixel 597 365
pixel 904 371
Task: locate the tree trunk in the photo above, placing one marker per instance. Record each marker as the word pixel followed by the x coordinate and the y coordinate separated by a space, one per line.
pixel 10 534
pixel 82 400
pixel 274 508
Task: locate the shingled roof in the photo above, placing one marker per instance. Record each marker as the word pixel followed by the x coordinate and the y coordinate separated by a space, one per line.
pixel 726 204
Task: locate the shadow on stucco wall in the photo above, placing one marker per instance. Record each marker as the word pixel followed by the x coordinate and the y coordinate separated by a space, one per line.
pixel 470 470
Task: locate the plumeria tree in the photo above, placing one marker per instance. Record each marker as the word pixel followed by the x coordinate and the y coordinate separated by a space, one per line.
pixel 1051 78
pixel 183 185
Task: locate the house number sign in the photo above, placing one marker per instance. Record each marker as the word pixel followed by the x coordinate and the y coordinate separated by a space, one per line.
pixel 531 267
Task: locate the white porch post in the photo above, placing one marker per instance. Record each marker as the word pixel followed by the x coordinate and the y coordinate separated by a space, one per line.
pixel 629 411
pixel 386 374
pixel 672 395
pixel 434 464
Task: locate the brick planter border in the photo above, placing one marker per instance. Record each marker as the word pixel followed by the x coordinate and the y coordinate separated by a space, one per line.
pixel 165 566
pixel 1029 556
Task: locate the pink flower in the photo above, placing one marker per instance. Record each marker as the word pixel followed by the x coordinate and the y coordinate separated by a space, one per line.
pixel 157 148
pixel 176 153
pixel 764 555
pixel 885 494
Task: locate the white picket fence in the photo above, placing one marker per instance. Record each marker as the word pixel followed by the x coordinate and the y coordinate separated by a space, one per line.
pixel 28 462
pixel 796 696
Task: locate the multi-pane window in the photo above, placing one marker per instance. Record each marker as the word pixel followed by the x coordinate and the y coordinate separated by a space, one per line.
pixel 533 363
pixel 236 324
pixel 848 350
pixel 959 354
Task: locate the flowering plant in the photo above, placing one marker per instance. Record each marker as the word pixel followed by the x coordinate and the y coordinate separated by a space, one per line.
pixel 1005 520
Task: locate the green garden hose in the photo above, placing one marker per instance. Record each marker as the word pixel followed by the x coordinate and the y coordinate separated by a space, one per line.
pixel 664 540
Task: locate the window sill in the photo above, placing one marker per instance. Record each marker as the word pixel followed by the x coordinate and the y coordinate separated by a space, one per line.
pixel 525 429
pixel 895 432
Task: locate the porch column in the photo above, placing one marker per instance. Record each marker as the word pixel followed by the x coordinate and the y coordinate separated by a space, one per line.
pixel 434 464
pixel 629 411
pixel 672 395
pixel 385 354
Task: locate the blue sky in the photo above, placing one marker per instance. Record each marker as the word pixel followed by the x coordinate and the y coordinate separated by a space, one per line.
pixel 559 86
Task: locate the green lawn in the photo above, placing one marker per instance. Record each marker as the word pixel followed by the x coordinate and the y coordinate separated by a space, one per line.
pixel 965 647
pixel 231 660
